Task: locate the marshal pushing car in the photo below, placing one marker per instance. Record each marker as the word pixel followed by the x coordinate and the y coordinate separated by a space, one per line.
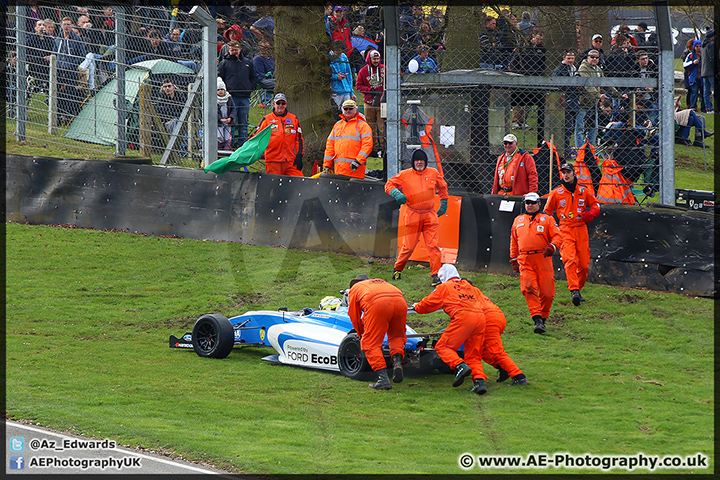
pixel 321 339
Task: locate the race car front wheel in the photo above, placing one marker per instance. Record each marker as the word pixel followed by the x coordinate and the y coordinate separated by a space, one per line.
pixel 351 360
pixel 213 336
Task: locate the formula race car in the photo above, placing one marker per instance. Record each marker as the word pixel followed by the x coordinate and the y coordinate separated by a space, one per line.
pixel 321 339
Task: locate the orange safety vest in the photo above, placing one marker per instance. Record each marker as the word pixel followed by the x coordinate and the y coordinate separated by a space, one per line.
pixel 426 139
pixel 348 140
pixel 613 187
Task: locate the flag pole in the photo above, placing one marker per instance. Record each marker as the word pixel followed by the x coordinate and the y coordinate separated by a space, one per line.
pixel 552 142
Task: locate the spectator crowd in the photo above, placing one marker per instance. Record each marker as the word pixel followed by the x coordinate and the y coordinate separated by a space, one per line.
pixel 83 39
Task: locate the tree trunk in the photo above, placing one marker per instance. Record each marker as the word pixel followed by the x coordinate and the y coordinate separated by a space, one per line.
pixel 464 24
pixel 303 74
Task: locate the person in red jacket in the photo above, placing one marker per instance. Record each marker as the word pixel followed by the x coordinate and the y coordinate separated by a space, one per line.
pixel 515 172
pixel 377 308
pixel 284 153
pixel 417 186
pixel 575 207
pixel 534 238
pixel 339 29
pixel 349 143
pixel 463 302
pixel 371 82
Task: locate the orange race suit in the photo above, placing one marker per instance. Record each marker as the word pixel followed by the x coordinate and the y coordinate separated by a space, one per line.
pixel 348 140
pixel 286 147
pixel 517 176
pixel 377 308
pixel 420 216
pixel 575 208
pixel 529 235
pixel 464 303
pixel 493 351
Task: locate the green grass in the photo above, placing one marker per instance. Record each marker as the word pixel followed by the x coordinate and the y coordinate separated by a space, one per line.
pixel 89 314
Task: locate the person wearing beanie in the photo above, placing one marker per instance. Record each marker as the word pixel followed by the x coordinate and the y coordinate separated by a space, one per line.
pixel 238 73
pixel 417 187
pixel 691 64
pixel 371 82
pixel 534 239
pixel 377 308
pixel 284 153
pixel 575 207
pixel 226 116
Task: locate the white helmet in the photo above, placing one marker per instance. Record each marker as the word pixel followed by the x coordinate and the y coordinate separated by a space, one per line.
pixel 330 303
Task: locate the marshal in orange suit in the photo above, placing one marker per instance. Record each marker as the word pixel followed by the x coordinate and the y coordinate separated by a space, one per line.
pixel 575 207
pixel 463 302
pixel 417 186
pixel 534 239
pixel 377 308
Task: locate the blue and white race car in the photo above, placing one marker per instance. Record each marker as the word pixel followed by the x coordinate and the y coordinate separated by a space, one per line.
pixel 318 339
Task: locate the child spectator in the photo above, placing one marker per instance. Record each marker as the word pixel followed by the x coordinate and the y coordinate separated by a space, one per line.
pixel 226 116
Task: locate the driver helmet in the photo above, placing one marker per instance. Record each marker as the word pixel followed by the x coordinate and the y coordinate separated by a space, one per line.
pixel 330 303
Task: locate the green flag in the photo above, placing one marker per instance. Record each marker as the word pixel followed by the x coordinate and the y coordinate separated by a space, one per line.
pixel 246 155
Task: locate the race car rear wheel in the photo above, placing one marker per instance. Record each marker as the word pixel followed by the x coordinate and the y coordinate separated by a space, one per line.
pixel 213 336
pixel 351 359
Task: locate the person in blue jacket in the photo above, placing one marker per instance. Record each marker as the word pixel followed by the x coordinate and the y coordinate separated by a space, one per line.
pixel 692 69
pixel 341 79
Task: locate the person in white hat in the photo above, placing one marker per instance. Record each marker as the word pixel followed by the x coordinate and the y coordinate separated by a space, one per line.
pixel 349 143
pixel 226 116
pixel 463 302
pixel 371 82
pixel 575 207
pixel 284 153
pixel 534 239
pixel 515 171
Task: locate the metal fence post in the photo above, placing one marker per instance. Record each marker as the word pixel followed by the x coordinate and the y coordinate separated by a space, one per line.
pixel 21 69
pixel 121 143
pixel 209 75
pixel 392 90
pixel 666 94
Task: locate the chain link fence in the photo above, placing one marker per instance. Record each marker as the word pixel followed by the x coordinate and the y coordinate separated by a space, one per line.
pixel 469 77
pixel 65 62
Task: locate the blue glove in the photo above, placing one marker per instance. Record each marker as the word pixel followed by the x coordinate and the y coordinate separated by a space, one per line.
pixel 355 165
pixel 443 208
pixel 398 195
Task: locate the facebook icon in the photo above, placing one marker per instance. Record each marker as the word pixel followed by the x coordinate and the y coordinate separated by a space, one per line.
pixel 17 462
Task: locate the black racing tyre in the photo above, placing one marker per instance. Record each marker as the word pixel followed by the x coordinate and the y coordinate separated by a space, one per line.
pixel 213 336
pixel 351 359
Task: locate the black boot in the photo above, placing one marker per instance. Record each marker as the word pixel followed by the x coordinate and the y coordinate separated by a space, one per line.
pixel 576 297
pixel 462 371
pixel 539 324
pixel 503 375
pixel 383 382
pixel 397 368
pixel 519 379
pixel 708 134
pixel 479 387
